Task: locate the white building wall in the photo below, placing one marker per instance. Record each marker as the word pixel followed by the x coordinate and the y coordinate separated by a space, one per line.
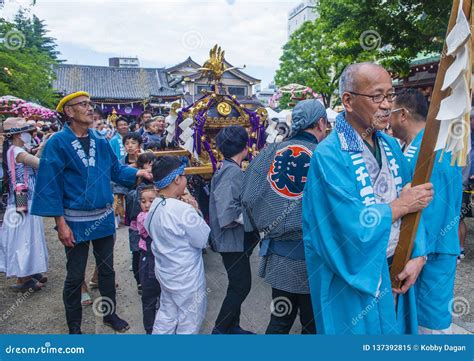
pixel 305 11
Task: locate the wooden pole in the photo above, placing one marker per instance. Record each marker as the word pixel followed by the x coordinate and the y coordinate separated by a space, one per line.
pixel 424 165
pixel 201 170
pixel 174 152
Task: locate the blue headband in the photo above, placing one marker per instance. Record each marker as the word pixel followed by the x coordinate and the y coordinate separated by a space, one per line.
pixel 166 181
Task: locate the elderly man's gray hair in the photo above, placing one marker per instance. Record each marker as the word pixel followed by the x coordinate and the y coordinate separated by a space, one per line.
pixel 346 81
pixel 348 77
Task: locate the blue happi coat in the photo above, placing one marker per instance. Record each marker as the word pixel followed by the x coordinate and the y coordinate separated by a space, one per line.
pixel 442 214
pixel 77 186
pixel 346 237
pixel 435 284
pixel 116 143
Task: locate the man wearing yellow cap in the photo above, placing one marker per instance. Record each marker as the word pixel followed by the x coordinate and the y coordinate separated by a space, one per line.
pixel 73 186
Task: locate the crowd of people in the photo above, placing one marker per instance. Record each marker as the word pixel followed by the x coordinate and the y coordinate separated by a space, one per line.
pixel 324 209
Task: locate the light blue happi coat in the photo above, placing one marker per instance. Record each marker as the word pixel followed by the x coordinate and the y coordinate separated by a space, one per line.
pixel 435 284
pixel 442 214
pixel 77 185
pixel 346 236
pixel 116 143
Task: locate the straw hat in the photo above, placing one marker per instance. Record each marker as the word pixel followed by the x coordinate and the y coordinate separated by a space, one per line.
pixel 16 125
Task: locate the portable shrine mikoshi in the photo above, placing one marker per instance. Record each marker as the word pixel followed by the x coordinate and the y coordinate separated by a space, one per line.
pixel 193 129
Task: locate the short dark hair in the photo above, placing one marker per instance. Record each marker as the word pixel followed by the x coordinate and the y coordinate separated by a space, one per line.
pixel 145 158
pixel 148 122
pixel 133 136
pixel 121 119
pixel 145 187
pixel 232 140
pixel 97 110
pixel 164 166
pixel 414 101
pixel 143 113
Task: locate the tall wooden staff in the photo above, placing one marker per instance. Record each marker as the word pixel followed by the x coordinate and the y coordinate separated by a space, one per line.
pixel 431 140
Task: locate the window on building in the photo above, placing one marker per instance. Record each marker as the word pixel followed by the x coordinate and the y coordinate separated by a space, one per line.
pixel 237 90
pixel 199 88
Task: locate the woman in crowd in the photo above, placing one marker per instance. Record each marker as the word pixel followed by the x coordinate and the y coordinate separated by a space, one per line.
pixel 25 255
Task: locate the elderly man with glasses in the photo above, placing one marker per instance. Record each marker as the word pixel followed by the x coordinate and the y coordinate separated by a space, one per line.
pixel 355 196
pixel 74 186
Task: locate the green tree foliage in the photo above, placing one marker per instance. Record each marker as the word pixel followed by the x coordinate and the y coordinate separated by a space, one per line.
pixel 313 59
pixel 35 34
pixel 401 29
pixel 392 32
pixel 26 68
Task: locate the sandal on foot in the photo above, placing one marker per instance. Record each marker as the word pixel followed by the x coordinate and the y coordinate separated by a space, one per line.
pixel 116 323
pixel 86 299
pixel 32 285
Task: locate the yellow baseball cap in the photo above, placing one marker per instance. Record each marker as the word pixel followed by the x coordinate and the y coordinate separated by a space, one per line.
pixel 69 97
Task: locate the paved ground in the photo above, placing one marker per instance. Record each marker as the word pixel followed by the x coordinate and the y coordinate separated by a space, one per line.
pixel 43 312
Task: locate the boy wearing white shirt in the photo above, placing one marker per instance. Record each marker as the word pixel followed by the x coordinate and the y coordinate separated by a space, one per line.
pixel 179 234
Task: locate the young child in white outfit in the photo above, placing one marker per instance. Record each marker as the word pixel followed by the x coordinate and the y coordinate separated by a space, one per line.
pixel 179 234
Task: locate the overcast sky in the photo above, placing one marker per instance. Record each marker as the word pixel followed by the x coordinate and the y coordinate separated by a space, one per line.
pixel 162 33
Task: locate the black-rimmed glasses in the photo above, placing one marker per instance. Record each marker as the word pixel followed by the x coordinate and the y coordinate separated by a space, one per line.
pixel 379 98
pixel 83 104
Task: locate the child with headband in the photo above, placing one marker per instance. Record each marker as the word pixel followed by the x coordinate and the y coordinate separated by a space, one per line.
pixel 179 235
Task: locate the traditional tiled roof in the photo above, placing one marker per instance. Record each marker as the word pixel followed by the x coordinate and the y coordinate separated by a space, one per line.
pixel 422 60
pixel 241 74
pixel 108 82
pixel 190 62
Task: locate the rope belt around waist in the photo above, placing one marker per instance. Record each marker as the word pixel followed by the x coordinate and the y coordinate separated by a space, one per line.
pixel 74 215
